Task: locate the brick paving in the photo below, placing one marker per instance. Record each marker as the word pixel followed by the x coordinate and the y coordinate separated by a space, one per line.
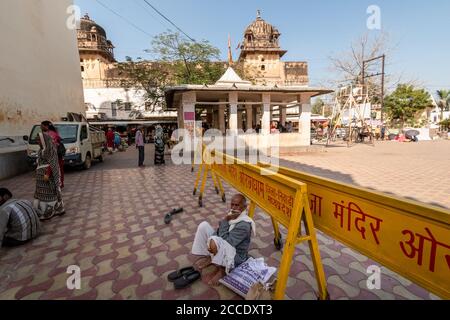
pixel 114 230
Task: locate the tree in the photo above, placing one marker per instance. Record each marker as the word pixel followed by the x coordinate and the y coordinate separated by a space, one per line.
pixel 349 65
pixel 405 102
pixel 444 101
pixel 179 61
pixel 148 76
pixel 192 62
pixel 318 106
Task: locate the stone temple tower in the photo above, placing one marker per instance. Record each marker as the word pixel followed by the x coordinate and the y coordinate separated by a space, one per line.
pixel 96 53
pixel 261 55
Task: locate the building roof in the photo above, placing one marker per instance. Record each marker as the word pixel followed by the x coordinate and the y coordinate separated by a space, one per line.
pixel 86 24
pixel 231 77
pixel 231 82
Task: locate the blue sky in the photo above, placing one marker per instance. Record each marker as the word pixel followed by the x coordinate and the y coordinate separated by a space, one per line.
pixel 419 31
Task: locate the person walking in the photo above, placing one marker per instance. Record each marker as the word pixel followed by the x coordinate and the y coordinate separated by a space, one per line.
pixel 139 138
pixel 47 197
pixel 110 140
pixel 48 128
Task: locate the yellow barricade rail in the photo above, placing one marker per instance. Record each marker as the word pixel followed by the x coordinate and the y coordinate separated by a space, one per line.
pixel 411 238
pixel 283 198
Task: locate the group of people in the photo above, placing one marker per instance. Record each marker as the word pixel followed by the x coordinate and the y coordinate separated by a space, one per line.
pixel 278 127
pixel 20 219
pixel 380 133
pixel 160 141
pixel 113 140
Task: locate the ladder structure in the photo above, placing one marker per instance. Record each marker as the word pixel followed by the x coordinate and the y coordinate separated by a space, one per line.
pixel 352 102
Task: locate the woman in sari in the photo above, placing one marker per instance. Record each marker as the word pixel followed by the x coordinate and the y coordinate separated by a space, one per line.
pixel 160 145
pixel 48 198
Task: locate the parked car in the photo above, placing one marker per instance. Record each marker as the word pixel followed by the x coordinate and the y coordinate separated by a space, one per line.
pixel 82 142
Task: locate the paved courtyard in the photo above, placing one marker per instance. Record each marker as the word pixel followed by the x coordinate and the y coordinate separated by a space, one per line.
pixel 415 171
pixel 114 228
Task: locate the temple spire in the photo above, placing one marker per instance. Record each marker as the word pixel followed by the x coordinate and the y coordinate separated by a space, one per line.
pixel 258 14
pixel 230 54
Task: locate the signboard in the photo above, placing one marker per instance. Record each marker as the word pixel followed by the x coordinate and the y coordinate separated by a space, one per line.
pixel 411 238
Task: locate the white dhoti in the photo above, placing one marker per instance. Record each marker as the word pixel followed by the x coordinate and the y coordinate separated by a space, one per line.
pixel 225 252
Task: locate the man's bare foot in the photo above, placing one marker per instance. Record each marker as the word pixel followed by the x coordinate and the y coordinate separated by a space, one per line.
pixel 202 263
pixel 217 276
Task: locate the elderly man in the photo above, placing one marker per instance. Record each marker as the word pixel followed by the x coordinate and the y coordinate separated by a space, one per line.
pixel 19 222
pixel 227 247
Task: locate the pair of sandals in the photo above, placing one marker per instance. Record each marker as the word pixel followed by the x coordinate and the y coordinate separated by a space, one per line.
pixel 184 277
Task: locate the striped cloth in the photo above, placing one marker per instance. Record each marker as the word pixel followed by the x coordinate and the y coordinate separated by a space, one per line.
pixel 18 221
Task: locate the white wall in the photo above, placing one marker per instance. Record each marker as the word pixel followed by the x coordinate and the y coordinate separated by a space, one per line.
pixel 102 98
pixel 39 64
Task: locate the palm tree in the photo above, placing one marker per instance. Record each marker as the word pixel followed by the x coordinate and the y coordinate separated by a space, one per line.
pixel 444 101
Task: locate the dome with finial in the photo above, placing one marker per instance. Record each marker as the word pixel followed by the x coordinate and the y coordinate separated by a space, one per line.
pixel 92 38
pixel 88 25
pixel 261 34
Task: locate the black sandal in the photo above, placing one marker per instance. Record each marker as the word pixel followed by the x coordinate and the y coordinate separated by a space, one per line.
pixel 178 274
pixel 187 279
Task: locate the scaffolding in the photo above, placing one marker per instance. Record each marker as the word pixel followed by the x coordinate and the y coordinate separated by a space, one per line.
pixel 349 115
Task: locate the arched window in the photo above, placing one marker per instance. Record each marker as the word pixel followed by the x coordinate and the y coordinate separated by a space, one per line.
pixel 263 67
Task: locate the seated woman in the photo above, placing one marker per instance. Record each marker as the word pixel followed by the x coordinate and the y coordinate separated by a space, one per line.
pixel 227 247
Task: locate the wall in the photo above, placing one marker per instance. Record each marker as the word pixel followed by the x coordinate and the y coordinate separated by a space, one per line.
pixel 39 73
pixel 39 65
pixel 102 98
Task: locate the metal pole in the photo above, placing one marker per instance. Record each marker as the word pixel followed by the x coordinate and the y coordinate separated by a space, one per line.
pixel 382 88
pixel 363 73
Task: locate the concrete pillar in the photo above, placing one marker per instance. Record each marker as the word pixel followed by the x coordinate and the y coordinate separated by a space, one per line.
pixel 188 110
pixel 249 115
pixel 256 114
pixel 305 120
pixel 180 118
pixel 283 115
pixel 233 101
pixel 266 114
pixel 221 118
pixel 239 120
pixel 271 114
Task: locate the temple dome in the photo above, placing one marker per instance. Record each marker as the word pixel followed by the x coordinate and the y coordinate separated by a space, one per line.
pixel 261 34
pixel 88 25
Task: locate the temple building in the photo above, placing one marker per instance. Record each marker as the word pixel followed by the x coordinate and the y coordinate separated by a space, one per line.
pixel 105 97
pixel 261 55
pixel 279 92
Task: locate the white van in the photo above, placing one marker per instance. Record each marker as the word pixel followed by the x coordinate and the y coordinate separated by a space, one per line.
pixel 83 143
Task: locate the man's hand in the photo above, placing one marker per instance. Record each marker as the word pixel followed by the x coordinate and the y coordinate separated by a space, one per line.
pixel 46 178
pixel 233 216
pixel 212 248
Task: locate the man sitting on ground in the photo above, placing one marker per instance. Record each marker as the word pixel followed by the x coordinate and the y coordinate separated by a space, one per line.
pixel 228 247
pixel 19 222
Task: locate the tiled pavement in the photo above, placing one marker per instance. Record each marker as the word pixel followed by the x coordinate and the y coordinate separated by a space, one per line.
pixel 419 171
pixel 114 231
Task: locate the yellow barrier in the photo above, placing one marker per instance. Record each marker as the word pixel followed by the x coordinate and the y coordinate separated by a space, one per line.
pixel 406 236
pixel 202 175
pixel 283 198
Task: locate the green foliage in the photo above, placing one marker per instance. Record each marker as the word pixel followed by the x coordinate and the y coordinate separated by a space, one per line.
pixel 180 61
pixel 406 102
pixel 318 106
pixel 444 101
pixel 151 77
pixel 445 125
pixel 191 62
